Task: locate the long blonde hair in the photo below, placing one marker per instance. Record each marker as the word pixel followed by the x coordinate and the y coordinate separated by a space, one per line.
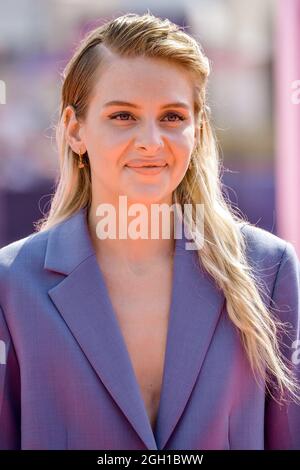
pixel 223 254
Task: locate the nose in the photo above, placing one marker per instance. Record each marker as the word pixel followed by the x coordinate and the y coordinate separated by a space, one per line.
pixel 149 138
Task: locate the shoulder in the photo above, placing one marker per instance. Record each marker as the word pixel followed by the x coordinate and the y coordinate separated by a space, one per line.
pixel 35 259
pixel 22 259
pixel 264 249
pixel 262 243
pixel 274 260
pixel 23 250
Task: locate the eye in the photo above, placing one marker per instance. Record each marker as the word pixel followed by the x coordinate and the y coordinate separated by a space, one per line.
pixel 176 115
pixel 114 116
pixel 179 116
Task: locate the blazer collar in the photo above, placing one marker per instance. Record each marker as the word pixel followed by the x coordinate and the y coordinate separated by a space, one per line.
pixel 82 300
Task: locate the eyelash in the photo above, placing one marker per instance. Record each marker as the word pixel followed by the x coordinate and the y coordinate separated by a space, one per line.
pixel 113 116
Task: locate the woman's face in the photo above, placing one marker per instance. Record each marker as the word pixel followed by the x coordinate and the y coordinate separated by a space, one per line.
pixel 151 127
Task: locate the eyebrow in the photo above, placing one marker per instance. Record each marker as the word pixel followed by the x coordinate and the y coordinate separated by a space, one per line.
pixel 131 105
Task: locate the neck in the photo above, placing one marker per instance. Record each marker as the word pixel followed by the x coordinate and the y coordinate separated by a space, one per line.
pixel 122 247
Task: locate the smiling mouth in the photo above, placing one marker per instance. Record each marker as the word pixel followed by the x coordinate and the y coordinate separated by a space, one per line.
pixel 147 169
pixel 146 166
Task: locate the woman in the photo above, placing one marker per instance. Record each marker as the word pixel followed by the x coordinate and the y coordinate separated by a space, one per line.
pixel 139 342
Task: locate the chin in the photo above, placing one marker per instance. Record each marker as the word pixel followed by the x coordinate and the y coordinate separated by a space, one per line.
pixel 146 197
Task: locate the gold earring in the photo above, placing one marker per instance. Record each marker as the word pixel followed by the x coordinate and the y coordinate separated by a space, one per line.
pixel 80 164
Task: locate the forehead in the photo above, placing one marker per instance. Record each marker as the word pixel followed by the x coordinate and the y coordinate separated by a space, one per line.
pixel 142 79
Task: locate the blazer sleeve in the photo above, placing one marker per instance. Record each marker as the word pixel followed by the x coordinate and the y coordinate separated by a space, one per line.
pixel 282 422
pixel 10 429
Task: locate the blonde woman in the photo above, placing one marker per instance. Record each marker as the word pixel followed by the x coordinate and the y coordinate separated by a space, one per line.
pixel 141 342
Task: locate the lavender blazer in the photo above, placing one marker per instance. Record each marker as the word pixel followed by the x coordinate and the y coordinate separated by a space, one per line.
pixel 66 379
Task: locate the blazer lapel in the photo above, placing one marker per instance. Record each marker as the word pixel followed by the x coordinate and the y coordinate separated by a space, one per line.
pixel 195 309
pixel 82 300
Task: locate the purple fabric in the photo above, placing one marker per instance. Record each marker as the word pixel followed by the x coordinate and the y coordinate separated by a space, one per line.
pixel 67 381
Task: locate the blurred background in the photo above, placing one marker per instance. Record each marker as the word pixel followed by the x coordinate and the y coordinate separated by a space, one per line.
pixel 254 95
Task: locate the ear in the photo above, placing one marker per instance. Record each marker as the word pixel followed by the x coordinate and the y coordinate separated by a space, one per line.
pixel 73 130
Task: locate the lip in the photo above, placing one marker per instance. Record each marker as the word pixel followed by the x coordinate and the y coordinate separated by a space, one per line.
pixel 138 163
pixel 144 170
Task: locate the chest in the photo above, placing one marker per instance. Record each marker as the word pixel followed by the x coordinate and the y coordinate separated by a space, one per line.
pixel 141 304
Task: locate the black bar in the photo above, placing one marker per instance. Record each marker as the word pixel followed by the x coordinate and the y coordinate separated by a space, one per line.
pixel 133 459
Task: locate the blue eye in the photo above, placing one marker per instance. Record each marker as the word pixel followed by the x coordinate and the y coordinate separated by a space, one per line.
pixel 120 114
pixel 114 116
pixel 180 117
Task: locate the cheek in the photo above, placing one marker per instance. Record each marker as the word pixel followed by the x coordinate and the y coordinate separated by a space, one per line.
pixel 185 139
pixel 183 148
pixel 179 168
pixel 99 148
pixel 105 140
